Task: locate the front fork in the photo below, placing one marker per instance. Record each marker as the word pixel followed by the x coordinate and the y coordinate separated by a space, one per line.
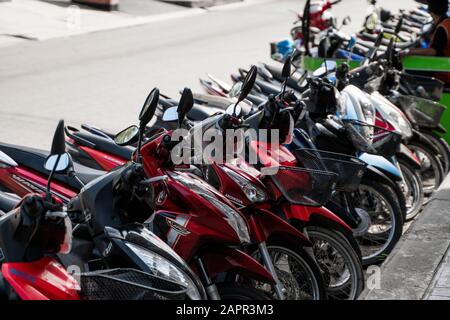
pixel 402 183
pixel 210 287
pixel 280 290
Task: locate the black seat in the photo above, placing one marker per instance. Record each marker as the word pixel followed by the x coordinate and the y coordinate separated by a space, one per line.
pixel 8 202
pixel 35 158
pixel 200 113
pixel 103 144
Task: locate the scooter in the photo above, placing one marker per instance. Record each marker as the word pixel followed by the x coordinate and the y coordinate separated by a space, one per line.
pixel 30 231
pixel 39 230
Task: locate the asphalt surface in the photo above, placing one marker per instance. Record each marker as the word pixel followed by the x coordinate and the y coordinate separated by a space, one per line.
pixel 103 78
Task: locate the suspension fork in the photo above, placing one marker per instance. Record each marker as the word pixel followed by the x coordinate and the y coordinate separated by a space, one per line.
pixel 280 290
pixel 344 209
pixel 210 287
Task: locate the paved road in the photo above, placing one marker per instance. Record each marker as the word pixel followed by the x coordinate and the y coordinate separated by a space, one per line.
pixel 102 78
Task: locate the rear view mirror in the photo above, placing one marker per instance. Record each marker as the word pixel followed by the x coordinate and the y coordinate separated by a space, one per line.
pixel 378 40
pixel 235 90
pixel 58 162
pixel 185 105
pixel 59 143
pixel 398 27
pixel 286 71
pixel 346 21
pixel 248 83
pixel 149 107
pixel 170 114
pixel 127 136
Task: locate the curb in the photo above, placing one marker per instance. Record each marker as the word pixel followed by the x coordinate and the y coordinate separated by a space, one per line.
pixel 200 3
pixel 408 272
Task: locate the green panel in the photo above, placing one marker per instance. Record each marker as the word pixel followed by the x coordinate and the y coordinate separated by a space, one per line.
pixel 422 63
pixel 445 120
pixel 311 64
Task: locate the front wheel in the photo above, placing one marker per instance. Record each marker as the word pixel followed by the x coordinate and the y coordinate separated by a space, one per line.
pixel 444 149
pixel 297 271
pixel 235 291
pixel 412 189
pixel 340 264
pixel 432 172
pixel 376 202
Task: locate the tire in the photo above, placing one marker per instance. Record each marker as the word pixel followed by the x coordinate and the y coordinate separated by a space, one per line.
pixel 327 240
pixel 444 150
pixel 235 291
pixel 412 189
pixel 371 255
pixel 432 172
pixel 281 250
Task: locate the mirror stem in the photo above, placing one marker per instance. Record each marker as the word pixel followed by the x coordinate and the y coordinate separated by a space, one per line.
pixel 48 195
pixel 138 155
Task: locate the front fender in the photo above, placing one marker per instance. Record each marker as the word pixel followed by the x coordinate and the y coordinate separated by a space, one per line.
pixel 230 259
pixel 307 215
pixel 264 224
pixel 426 141
pixel 408 156
pixel 382 164
pixel 43 279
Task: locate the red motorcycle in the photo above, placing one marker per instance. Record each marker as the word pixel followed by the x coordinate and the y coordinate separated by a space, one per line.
pixel 29 234
pixel 320 17
pixel 22 171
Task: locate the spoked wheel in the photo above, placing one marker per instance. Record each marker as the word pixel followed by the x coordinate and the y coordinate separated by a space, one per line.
pixel 386 221
pixel 235 291
pixel 341 267
pixel 432 172
pixel 444 149
pixel 297 271
pixel 412 189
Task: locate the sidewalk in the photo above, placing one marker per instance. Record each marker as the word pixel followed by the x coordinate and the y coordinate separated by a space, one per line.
pixel 39 20
pixel 22 20
pixel 419 266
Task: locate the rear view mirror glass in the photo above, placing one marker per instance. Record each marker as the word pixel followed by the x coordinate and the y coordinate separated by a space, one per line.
pixel 127 136
pixel 61 161
pixel 170 114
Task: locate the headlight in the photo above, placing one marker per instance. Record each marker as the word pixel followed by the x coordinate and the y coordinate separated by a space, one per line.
pixel 392 113
pixel 253 193
pixel 233 218
pixel 163 268
pixel 403 124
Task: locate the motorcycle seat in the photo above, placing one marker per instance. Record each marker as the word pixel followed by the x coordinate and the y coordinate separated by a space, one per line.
pixel 35 158
pixel 8 202
pixel 102 144
pixel 200 113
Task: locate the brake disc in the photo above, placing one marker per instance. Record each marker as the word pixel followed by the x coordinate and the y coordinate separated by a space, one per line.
pixel 364 225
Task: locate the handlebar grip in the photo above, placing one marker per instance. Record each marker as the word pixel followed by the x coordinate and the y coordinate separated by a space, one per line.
pixel 32 207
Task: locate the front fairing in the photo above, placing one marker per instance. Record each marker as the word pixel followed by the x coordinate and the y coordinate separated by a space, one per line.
pixel 380 163
pixel 354 104
pixel 198 200
pixel 392 114
pixel 139 235
pixel 44 279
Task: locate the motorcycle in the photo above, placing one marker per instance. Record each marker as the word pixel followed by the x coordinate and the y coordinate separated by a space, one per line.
pixel 38 230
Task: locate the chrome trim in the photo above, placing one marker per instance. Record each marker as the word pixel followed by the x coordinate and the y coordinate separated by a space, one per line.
pixel 4 158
